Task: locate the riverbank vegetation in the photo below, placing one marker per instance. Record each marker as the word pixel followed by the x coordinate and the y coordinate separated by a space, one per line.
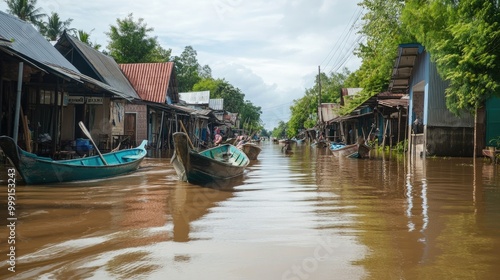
pixel 462 37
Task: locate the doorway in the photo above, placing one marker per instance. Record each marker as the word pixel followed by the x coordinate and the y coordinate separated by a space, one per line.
pixel 130 126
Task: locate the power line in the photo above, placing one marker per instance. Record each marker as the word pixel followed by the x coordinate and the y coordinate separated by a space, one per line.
pixel 335 46
pixel 340 49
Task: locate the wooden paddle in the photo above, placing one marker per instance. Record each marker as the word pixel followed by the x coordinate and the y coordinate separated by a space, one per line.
pixel 185 131
pixel 87 133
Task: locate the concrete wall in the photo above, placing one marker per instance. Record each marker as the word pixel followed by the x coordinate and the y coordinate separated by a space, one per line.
pixel 450 141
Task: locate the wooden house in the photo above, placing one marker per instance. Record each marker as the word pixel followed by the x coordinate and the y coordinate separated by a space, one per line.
pixel 36 84
pixel 106 117
pixel 433 129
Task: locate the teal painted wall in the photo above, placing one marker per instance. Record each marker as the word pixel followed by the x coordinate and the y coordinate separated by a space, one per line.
pixel 492 119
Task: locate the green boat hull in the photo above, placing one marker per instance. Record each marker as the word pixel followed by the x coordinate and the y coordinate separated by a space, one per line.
pixel 42 170
pixel 215 164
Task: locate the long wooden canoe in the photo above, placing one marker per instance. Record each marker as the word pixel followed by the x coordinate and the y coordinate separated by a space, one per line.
pixel 219 163
pixel 42 170
pixel 358 150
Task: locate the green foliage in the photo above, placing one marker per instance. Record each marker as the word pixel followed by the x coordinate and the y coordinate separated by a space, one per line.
pixel 495 142
pixel 187 69
pixel 304 111
pixel 265 133
pixel 251 116
pixel 53 28
pixel 85 38
pixel 25 10
pixel 401 147
pixel 383 32
pixel 160 54
pixel 462 38
pixel 129 41
pixel 280 131
pixel 234 101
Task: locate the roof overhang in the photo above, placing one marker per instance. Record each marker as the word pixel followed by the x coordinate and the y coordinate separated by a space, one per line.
pixel 403 67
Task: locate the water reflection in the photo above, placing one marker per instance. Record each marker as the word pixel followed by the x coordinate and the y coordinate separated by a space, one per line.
pixel 303 215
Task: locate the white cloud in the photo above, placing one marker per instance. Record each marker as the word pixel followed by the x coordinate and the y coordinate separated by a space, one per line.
pixel 269 49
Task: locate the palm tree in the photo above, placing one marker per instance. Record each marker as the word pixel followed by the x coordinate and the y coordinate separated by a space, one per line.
pixel 54 27
pixel 25 10
pixel 85 38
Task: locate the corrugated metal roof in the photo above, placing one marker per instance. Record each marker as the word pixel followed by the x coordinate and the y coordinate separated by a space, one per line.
pixel 150 80
pixel 104 66
pixel 403 67
pixel 22 40
pixel 216 104
pixel 28 42
pixel 195 97
pixel 85 79
pixel 394 103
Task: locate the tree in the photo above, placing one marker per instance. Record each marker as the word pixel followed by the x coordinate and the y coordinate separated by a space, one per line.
pixel 280 131
pixel 25 10
pixel 160 54
pixel 462 38
pixel 53 28
pixel 382 31
pixel 234 101
pixel 304 111
pixel 188 70
pixel 129 41
pixel 250 114
pixel 84 37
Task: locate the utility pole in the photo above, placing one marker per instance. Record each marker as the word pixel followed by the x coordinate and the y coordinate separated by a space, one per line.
pixel 320 111
pixel 319 86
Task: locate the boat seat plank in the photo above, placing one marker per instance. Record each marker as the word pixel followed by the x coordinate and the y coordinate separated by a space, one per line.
pixel 131 157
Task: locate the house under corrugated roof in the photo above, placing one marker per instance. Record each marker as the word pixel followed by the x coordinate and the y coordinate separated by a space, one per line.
pixel 154 82
pixel 95 64
pixel 20 39
pixel 25 42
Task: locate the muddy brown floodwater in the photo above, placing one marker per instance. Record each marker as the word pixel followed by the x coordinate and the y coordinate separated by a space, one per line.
pixel 305 215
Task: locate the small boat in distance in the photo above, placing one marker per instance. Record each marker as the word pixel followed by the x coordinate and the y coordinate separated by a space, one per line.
pixel 43 170
pixel 219 163
pixel 358 150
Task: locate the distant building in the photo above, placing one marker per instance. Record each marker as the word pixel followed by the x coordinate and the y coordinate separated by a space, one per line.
pixel 196 99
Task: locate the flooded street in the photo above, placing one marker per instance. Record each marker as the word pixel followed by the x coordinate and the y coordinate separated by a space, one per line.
pixel 306 215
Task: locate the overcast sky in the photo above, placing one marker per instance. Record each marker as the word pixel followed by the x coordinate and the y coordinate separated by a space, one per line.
pixel 270 50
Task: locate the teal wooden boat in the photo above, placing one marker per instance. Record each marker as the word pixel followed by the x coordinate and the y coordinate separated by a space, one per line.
pixel 358 150
pixel 219 163
pixel 43 170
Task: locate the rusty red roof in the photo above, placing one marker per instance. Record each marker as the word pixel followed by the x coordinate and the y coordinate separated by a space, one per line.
pixel 150 80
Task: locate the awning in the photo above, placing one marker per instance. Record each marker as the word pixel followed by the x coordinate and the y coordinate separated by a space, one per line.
pixel 403 67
